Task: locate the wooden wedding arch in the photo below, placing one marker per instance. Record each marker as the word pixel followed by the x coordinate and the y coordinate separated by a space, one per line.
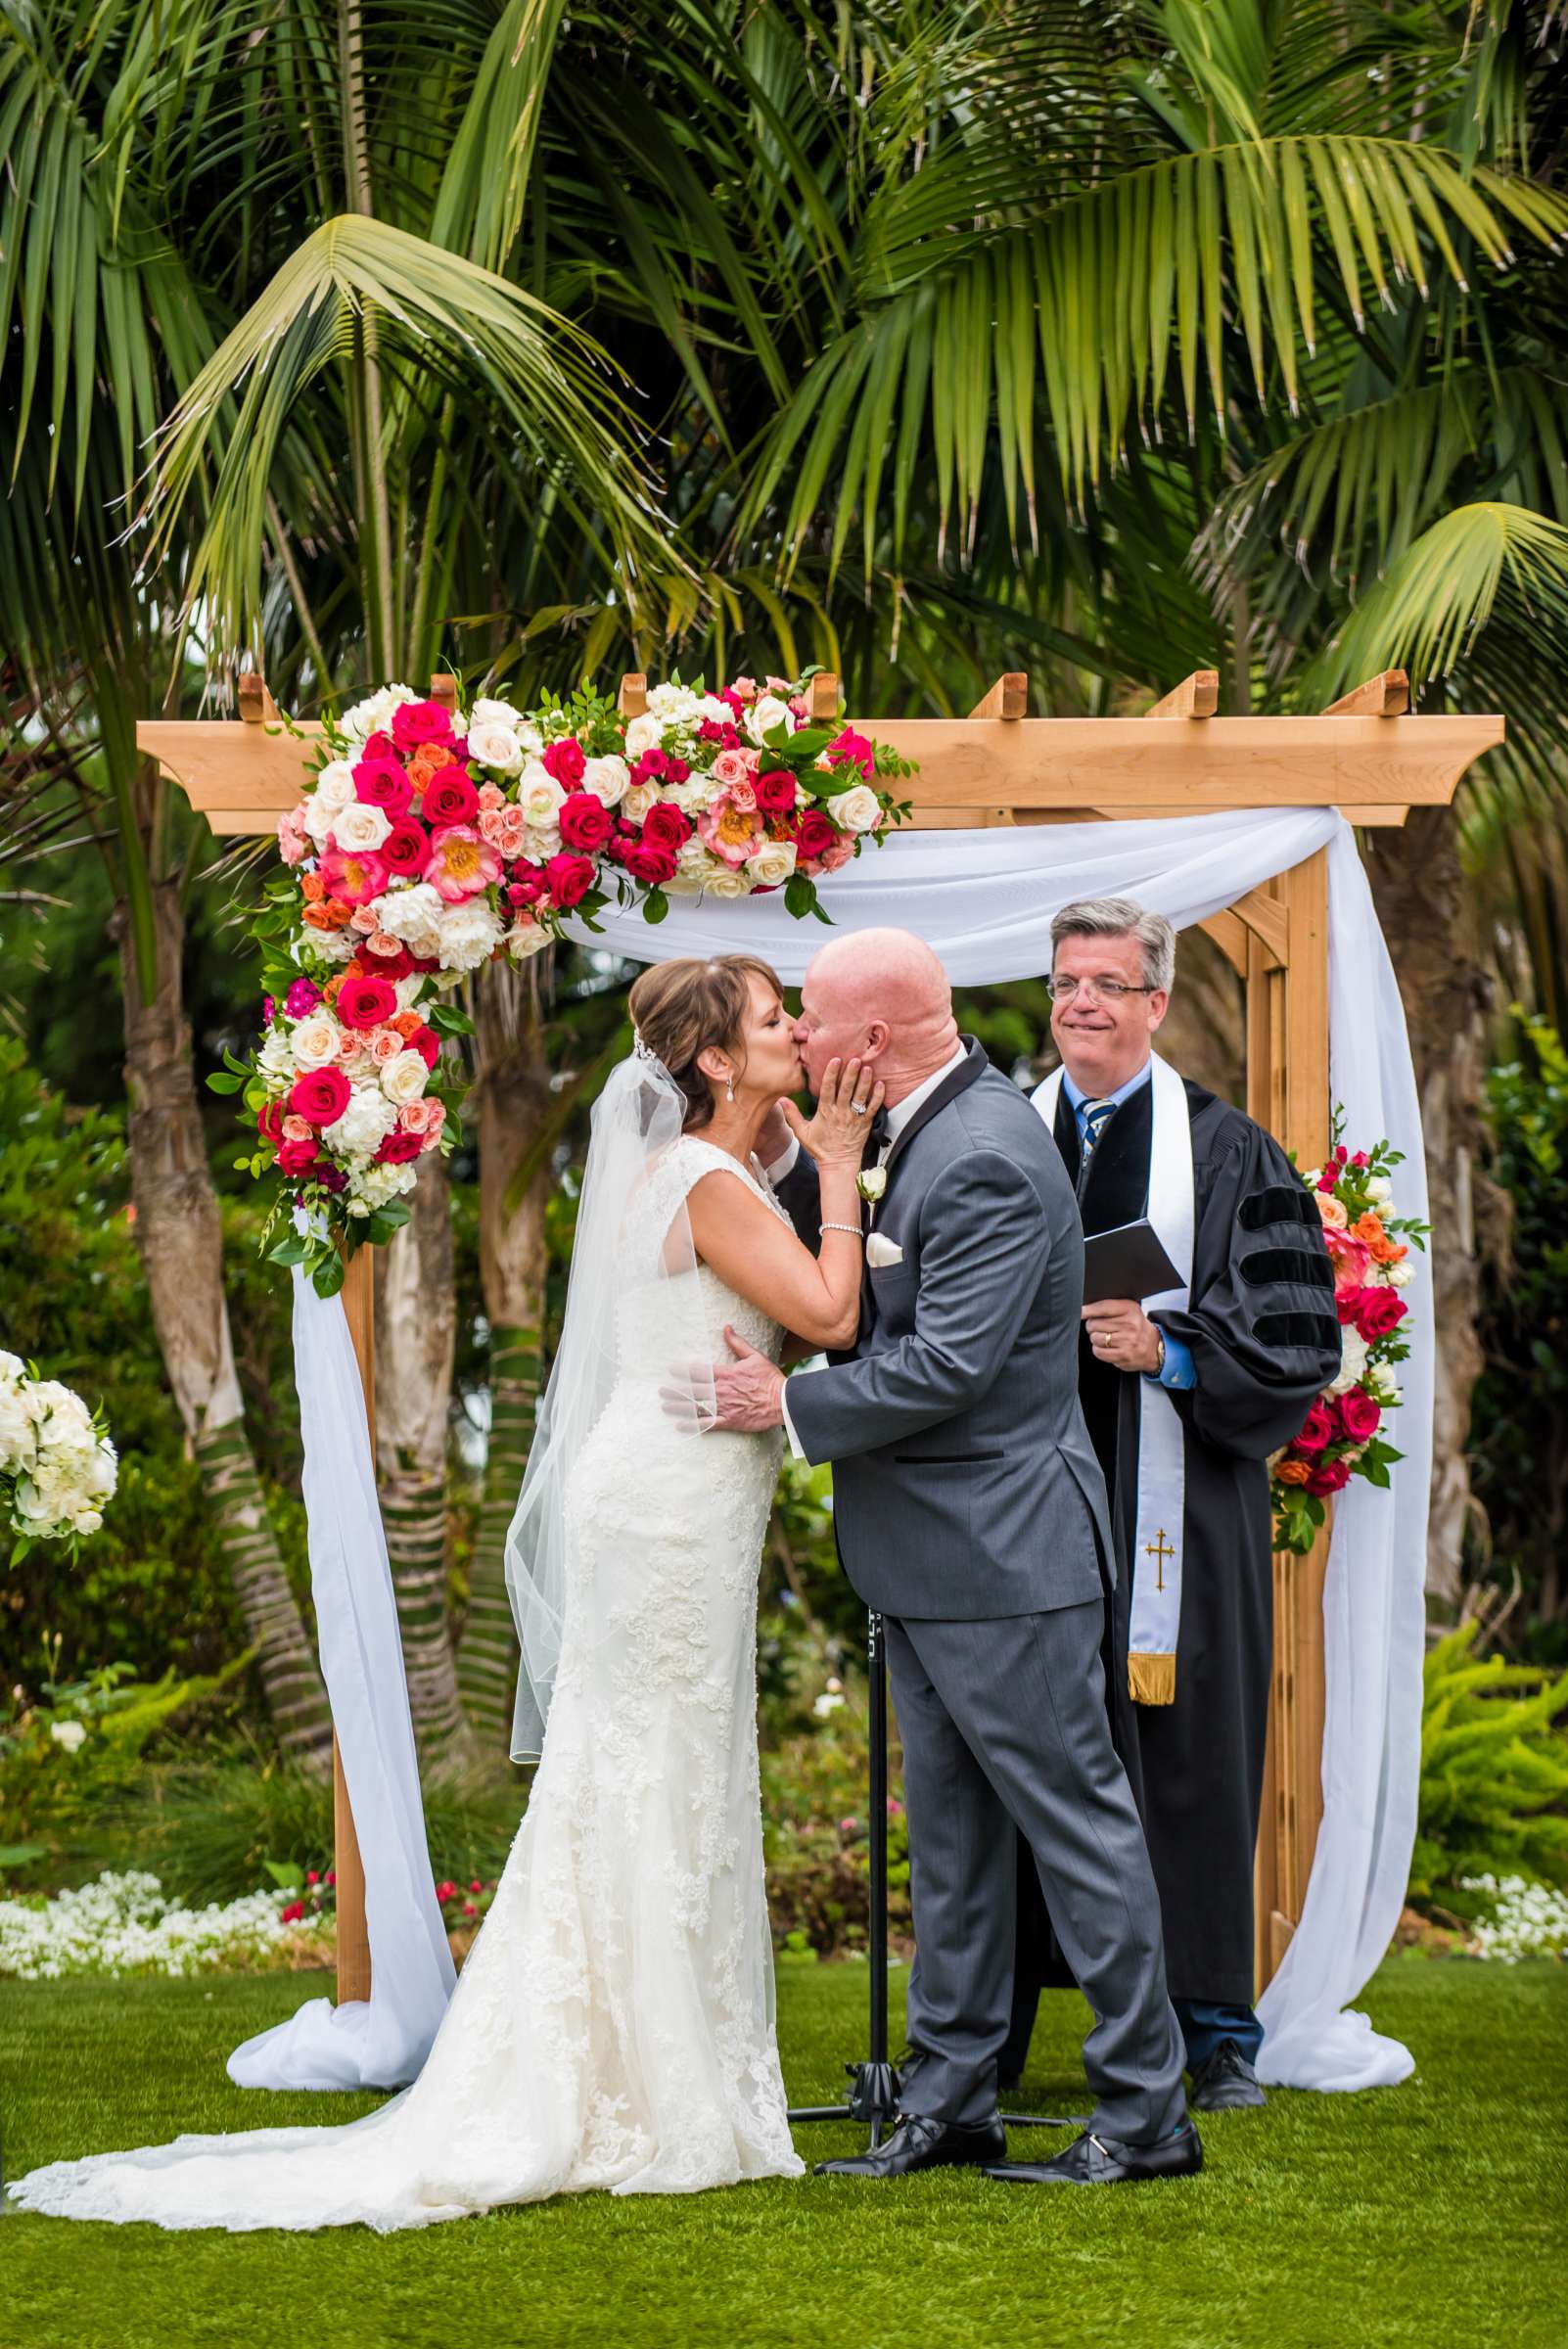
pixel 1365 754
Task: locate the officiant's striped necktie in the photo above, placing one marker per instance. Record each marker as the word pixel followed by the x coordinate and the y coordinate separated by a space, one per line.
pixel 1097 1116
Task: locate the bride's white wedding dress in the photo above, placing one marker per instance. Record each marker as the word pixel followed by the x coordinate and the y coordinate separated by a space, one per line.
pixel 612 2025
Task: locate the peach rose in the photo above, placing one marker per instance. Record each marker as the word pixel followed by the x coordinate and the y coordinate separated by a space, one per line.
pixel 351 1046
pixel 384 942
pixel 490 794
pixel 730 767
pixel 297 1129
pixel 312 888
pixel 385 1045
pixel 317 915
pixel 415 1116
pixel 1333 1212
pixel 365 920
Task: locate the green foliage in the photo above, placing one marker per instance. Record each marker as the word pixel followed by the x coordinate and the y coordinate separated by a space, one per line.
pixel 1493 1772
pixel 816 1835
pixel 1519 1422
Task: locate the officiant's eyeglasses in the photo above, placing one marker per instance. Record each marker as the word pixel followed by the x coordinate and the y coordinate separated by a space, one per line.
pixel 1110 991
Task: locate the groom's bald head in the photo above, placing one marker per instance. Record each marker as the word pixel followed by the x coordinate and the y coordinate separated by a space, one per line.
pixel 884 997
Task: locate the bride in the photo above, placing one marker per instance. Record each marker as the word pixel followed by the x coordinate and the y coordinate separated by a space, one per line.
pixel 612 2025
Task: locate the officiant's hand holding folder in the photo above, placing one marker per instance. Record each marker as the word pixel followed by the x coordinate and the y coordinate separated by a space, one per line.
pixel 1129 1261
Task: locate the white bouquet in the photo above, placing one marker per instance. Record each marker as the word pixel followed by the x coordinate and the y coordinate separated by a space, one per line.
pixel 57 1464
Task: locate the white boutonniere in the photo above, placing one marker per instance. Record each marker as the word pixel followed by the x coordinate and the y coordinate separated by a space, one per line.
pixel 871 1182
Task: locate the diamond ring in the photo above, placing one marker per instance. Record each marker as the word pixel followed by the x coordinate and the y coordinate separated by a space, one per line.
pixel 858 1108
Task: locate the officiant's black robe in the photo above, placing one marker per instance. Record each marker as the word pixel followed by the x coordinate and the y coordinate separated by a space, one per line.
pixel 1264 1337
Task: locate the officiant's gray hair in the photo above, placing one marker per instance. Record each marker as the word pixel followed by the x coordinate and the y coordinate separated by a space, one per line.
pixel 1121 917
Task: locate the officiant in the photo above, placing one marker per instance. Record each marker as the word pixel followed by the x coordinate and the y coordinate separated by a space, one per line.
pixel 1186 1392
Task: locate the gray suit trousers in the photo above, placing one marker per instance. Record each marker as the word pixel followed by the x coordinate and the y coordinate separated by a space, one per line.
pixel 1004 1724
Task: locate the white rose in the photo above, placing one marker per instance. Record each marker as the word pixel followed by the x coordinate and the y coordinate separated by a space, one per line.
pixel 335 785
pixel 1353 1361
pixel 1379 1190
pixel 359 827
pixel 495 746
pixel 490 712
pixel 1401 1276
pixel 68 1733
pixel 11 1366
pixel 374 715
pixel 644 733
pixel 540 795
pixel 408 989
pixel 316 1042
pixel 57 1405
pixel 403 1077
pixel 637 799
pixel 857 808
pixel 318 821
pixel 364 1125
pixel 697 794
pixel 772 863
pixel 526 939
pixel 767 712
pixel 468 936
pixel 607 778
pixel 724 881
pixel 103 1469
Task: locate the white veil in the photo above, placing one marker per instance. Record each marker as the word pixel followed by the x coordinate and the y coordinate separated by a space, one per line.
pixel 631 1312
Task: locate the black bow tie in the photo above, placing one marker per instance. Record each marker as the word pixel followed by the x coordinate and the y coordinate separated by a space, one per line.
pixel 879 1133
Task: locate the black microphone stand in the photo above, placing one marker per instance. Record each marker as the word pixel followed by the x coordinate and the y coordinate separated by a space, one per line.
pixel 874 2085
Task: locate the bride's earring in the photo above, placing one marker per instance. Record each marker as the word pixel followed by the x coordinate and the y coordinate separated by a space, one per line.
pixel 730 1091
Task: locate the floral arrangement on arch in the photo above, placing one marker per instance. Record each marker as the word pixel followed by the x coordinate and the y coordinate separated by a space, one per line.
pixel 1369 1248
pixel 427 840
pixel 57 1464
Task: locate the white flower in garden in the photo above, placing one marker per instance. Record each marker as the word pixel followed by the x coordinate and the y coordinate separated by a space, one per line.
pixel 68 1733
pixel 335 786
pixel 359 827
pixel 607 778
pixel 12 1367
pixel 772 865
pixel 828 1702
pixel 767 712
pixel 57 1410
pixel 857 808
pixel 404 1078
pixel 1352 1363
pixel 415 916
pixel 364 1125
pixel 644 733
pixel 494 745
pixel 316 1042
pixel 525 940
pixel 637 799
pixel 374 715
pixel 540 795
pixel 468 936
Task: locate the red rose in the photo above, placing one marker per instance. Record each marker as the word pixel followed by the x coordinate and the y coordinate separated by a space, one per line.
pixel 1359 1415
pixel 775 791
pixel 414 723
pixel 646 861
pixel 1332 1477
pixel 297 1158
pixel 269 1121
pixel 321 1095
pixel 406 848
pixel 676 769
pixel 381 783
pixel 565 761
pixel 569 879
pixel 379 746
pixel 398 1147
pixel 667 827
pixel 428 1044
pixel 399 963
pixel 849 749
pixel 527 884
pixel 651 768
pixel 586 821
pixel 366 1002
pixel 814 834
pixel 450 799
pixel 727 737
pixel 1378 1313
pixel 1318 1429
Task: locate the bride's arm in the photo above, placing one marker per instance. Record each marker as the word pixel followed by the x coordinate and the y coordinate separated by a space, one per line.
pixel 753 1253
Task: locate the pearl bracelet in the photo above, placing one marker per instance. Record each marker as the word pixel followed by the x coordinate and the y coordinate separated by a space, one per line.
pixel 853 1229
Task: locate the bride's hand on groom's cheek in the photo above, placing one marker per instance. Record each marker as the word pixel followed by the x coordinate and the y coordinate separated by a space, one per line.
pixel 837 1132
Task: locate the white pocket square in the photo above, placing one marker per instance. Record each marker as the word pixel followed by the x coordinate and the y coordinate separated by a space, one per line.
pixel 880 1251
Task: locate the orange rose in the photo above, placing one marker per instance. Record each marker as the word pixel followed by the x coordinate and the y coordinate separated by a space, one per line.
pixel 428 760
pixel 339 914
pixel 407 1024
pixel 318 917
pixel 1293 1472
pixel 1369 1227
pixel 312 888
pixel 1386 1251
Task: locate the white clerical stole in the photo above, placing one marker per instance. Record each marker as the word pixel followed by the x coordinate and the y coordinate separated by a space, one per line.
pixel 1157 1541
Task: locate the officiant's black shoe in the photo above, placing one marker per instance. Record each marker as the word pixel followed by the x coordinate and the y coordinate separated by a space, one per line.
pixel 917 2143
pixel 1226 2083
pixel 1092 2160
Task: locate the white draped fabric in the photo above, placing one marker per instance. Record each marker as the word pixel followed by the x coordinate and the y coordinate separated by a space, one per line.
pixel 383 2040
pixel 985 900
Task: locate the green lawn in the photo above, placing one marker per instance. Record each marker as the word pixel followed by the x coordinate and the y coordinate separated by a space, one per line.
pixel 1433 2212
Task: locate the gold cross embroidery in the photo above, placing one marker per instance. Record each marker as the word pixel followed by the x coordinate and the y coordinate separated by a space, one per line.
pixel 1159 1549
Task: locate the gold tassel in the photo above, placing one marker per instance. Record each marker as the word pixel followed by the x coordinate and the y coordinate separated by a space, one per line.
pixel 1151 1680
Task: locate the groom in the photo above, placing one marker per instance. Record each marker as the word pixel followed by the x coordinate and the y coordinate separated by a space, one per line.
pixel 971 1514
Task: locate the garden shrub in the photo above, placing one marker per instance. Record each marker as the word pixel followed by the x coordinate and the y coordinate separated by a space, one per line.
pixel 1494 1774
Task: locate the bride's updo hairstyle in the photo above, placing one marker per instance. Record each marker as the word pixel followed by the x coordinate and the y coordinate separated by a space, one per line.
pixel 681 1008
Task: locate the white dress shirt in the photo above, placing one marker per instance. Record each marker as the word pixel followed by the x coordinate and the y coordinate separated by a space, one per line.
pixel 897 1117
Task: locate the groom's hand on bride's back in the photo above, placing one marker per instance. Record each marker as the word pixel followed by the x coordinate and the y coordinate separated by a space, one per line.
pixel 748 1394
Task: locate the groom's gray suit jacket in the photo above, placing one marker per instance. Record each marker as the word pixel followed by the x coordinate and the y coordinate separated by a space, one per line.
pixel 965 1485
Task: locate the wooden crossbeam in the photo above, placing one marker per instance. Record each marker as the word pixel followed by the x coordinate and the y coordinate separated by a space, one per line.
pixel 256 705
pixel 1007 699
pixel 1385 696
pixel 1197 696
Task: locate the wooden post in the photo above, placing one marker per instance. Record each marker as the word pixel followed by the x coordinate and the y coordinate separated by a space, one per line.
pixel 353 1941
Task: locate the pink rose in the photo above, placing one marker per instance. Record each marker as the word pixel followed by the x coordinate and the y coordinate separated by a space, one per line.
pixel 321 1096
pixel 414 723
pixel 743 688
pixel 406 848
pixel 1318 1429
pixel 849 749
pixel 414 1116
pixel 586 821
pixel 350 1045
pixel 450 799
pixel 842 852
pixel 366 1002
pixel 382 941
pixel 432 1132
pixel 1359 1414
pixel 1332 1477
pixel 381 783
pixel 490 794
pixel 514 832
pixel 775 791
pixel 490 826
pixel 398 1147
pixel 646 861
pixel 384 1045
pixel 667 827
pixel 730 767
pixel 570 878
pixel 294 843
pixel 815 834
pixel 1378 1313
pixel 565 761
pixel 297 1158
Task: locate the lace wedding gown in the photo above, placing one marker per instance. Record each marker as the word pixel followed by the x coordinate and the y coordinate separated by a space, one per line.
pixel 612 2025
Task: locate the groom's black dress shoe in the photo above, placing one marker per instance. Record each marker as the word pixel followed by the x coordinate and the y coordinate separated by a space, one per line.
pixel 917 2143
pixel 1092 2160
pixel 1226 2083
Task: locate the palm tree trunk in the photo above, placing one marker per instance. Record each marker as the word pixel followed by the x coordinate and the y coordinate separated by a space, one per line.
pixel 415 1317
pixel 180 1240
pixel 1419 889
pixel 513 1090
